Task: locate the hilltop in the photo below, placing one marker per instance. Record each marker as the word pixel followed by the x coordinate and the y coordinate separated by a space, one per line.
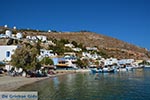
pixel 108 45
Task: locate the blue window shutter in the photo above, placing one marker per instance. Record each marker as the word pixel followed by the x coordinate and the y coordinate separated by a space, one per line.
pixel 8 54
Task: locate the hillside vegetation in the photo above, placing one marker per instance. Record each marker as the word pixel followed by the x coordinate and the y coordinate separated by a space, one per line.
pixel 107 45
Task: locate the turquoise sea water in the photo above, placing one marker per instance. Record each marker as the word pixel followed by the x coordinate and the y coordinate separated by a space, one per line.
pixel 87 86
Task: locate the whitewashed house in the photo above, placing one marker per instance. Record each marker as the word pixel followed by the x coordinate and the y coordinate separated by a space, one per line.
pixel 8 33
pixel 49 31
pixel 91 48
pixel 6 52
pixel 126 61
pixel 42 38
pixel 110 61
pixel 28 37
pixel 51 43
pixel 36 38
pixel 69 45
pixel 47 53
pixel 91 56
pixel 77 49
pixel 32 38
pixel 3 36
pixel 69 57
pixel 5 26
pixel 19 35
pixel 14 27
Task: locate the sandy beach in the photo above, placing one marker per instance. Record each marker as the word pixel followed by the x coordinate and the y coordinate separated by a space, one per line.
pixel 9 83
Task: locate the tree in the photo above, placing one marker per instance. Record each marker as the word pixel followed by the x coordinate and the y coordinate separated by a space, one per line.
pixel 79 63
pixel 26 57
pixel 97 63
pixel 37 46
pixel 82 63
pixel 85 62
pixel 74 43
pixel 10 42
pixel 47 61
pixel 64 41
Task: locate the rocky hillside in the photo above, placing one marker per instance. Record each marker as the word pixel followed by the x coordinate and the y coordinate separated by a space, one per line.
pixel 111 46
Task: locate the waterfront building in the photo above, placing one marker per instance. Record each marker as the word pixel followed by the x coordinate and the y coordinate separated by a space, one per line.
pixel 110 61
pixel 70 53
pixel 125 61
pixel 67 62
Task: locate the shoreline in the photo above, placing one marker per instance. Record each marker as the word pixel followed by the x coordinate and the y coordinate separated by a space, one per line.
pixel 9 83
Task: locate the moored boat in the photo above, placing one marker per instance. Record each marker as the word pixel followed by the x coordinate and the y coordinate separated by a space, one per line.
pixel 129 68
pixel 138 67
pixel 147 66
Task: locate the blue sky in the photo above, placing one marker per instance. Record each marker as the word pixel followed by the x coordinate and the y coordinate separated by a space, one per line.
pixel 127 20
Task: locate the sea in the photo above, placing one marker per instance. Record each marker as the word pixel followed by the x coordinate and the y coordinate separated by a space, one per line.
pixel 132 85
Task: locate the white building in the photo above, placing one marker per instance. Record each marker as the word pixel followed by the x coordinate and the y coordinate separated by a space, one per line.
pixel 42 38
pixel 5 26
pixel 8 33
pixel 51 43
pixel 19 35
pixel 110 61
pixel 3 36
pixel 47 53
pixel 69 57
pixel 6 52
pixel 36 38
pixel 91 56
pixel 91 48
pixel 126 61
pixel 14 27
pixel 31 38
pixel 49 31
pixel 69 45
pixel 77 49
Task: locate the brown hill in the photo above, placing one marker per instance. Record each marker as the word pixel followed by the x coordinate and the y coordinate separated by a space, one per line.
pixel 111 46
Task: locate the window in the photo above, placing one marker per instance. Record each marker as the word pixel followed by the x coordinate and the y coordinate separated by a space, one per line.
pixel 8 54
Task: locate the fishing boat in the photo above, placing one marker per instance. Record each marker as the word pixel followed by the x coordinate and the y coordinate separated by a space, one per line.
pixel 138 67
pixel 146 66
pixel 129 68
